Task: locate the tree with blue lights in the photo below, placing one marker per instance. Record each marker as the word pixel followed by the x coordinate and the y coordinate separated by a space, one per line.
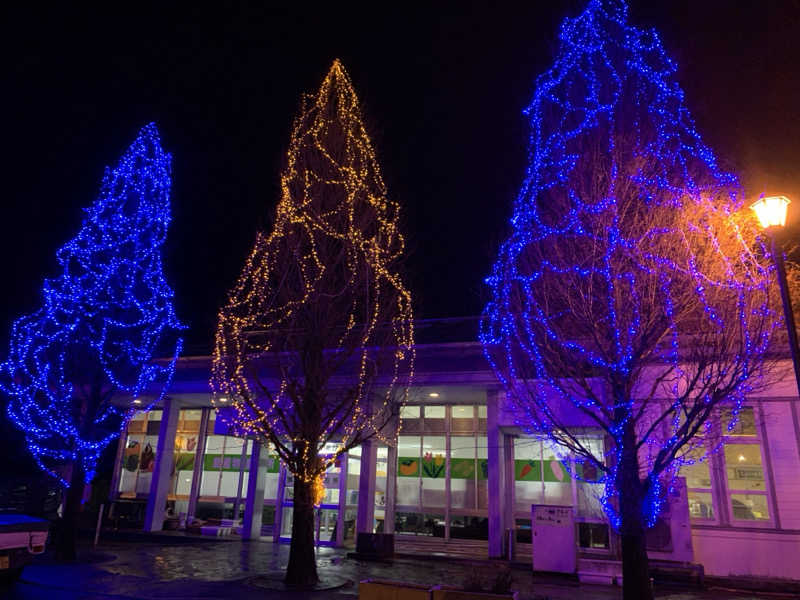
pixel 631 300
pixel 76 365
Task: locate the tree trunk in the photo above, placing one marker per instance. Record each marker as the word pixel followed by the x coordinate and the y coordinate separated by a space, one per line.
pixel 302 568
pixel 635 569
pixel 66 541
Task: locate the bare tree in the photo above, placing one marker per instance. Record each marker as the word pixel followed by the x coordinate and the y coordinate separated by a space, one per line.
pixel 315 343
pixel 632 297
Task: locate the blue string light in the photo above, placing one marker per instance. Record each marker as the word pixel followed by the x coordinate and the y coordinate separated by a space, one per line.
pixel 101 321
pixel 611 99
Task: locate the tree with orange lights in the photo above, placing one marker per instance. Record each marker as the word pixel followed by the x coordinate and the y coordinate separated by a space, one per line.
pixel 315 344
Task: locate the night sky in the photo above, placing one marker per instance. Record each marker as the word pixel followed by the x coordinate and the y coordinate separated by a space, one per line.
pixel 443 87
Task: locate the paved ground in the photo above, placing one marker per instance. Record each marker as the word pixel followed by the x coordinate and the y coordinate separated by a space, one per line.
pixel 164 570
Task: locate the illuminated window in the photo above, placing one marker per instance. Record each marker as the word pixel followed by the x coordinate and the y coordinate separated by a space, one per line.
pixel 698 488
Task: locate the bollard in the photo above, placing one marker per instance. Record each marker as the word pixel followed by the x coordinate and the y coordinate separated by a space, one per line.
pixel 99 522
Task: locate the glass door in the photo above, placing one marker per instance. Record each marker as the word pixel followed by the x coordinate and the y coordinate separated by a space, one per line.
pixel 326 516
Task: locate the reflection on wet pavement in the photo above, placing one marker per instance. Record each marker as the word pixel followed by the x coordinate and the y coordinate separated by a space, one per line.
pixel 223 569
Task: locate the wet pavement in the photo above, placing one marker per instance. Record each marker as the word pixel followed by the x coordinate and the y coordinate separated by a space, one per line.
pixel 233 569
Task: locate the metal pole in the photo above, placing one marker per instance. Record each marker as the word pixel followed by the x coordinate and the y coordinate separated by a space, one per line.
pixel 99 522
pixel 788 314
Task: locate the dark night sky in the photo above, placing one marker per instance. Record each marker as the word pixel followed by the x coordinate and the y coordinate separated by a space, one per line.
pixel 443 89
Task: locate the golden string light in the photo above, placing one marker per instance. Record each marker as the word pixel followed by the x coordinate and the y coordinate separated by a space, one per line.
pixel 322 289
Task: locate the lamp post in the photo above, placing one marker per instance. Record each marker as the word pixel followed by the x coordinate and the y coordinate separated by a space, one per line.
pixel 771 213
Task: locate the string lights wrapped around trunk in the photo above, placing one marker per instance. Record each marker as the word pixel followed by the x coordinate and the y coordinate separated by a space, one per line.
pixel 101 322
pixel 315 343
pixel 632 293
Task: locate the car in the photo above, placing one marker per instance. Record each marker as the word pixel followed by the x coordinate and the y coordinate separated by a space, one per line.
pixel 21 538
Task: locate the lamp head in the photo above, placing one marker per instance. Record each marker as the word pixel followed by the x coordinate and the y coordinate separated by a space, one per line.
pixel 771 210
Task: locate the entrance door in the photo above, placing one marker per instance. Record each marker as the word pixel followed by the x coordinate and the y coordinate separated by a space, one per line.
pixel 326 516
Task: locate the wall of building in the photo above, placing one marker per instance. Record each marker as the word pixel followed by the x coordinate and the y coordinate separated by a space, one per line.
pixel 465 468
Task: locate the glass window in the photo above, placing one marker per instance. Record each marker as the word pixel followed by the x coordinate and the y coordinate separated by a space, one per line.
pixel 332 475
pixel 593 536
pixel 184 452
pixel 465 527
pixel 697 475
pixel 482 471
pixel 462 419
pixel 434 421
pixel 409 411
pixel 462 472
pixel 409 457
pixel 743 466
pixel 433 470
pixel 698 485
pixel 139 454
pixel 434 412
pixel 750 507
pixel 353 476
pixel 528 488
pixel 556 478
pixel 415 523
pixel 273 474
pixel 700 505
pixel 381 470
pixel 744 425
pixel 588 493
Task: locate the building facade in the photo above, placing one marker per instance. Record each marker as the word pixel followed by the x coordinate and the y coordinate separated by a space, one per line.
pixel 463 478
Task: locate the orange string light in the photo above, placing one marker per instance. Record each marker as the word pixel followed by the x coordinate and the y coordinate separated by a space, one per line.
pixel 334 223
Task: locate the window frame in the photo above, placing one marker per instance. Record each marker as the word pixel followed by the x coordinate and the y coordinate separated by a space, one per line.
pixel 753 440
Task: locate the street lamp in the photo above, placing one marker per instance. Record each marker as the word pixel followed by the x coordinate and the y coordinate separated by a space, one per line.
pixel 771 213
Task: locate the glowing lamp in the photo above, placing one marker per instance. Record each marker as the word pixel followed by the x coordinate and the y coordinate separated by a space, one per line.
pixel 771 211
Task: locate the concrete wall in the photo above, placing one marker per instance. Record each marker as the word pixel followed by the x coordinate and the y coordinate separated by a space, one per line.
pixel 725 552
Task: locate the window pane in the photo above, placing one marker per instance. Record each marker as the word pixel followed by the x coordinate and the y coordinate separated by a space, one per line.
pixel 743 465
pixel 462 472
pixel 697 475
pixel 130 462
pixel 593 535
pixel 528 488
pixel 464 527
pixel 523 531
pixel 353 477
pixel 332 475
pixel 462 419
pixel 409 412
pixel 273 474
pixel 750 507
pixel 482 469
pixel 419 524
pixel 433 470
pixel 381 470
pixel 408 469
pixel 589 494
pixel 434 412
pixel 189 420
pixel 434 419
pixel 557 481
pixel 745 423
pixel 701 505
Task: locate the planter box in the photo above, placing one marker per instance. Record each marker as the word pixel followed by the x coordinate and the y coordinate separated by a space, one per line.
pixel 447 593
pixel 376 589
